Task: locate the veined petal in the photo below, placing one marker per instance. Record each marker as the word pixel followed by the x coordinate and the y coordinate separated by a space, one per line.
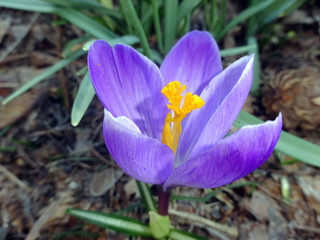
pixel 230 159
pixel 128 84
pixel 193 61
pixel 224 98
pixel 143 158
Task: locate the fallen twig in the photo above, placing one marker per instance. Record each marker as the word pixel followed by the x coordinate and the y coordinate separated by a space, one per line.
pixel 231 231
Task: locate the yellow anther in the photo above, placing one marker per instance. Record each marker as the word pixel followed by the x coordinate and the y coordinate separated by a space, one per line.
pixel 172 127
pixel 173 92
pixel 191 102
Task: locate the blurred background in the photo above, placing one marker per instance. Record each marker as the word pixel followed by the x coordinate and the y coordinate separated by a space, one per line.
pixel 52 151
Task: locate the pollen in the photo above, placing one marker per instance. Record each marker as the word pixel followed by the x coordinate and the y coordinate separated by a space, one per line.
pixel 172 127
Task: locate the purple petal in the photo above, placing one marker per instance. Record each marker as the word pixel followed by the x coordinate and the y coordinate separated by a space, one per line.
pixel 193 61
pixel 230 159
pixel 143 158
pixel 224 98
pixel 128 84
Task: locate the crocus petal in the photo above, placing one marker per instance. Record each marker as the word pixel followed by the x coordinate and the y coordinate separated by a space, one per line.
pixel 143 158
pixel 128 84
pixel 193 61
pixel 230 159
pixel 224 98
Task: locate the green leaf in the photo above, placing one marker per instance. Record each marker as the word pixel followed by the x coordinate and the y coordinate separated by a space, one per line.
pixel 256 69
pixel 47 73
pixel 217 24
pixel 157 24
pixel 288 144
pixel 186 7
pixel 243 16
pixel 146 196
pixel 170 23
pixel 273 11
pixel 127 40
pixel 82 100
pixel 67 50
pixel 30 5
pixel 86 23
pixel 237 50
pixel 74 16
pixel 87 5
pixel 115 222
pixel 293 7
pixel 159 225
pixel 137 25
pixel 184 15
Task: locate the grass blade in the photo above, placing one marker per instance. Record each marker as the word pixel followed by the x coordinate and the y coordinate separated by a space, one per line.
pixel 237 50
pixel 274 10
pixel 157 26
pixel 137 25
pixel 86 23
pixel 170 24
pixel 82 100
pixel 220 20
pixel 288 144
pixel 256 69
pixel 115 222
pixel 30 5
pixel 184 15
pixel 146 196
pixel 243 16
pixel 186 8
pixel 51 70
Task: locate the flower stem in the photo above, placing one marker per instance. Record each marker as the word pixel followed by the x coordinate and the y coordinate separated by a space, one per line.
pixel 164 199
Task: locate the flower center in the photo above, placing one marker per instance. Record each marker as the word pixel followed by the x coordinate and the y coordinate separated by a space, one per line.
pixel 172 126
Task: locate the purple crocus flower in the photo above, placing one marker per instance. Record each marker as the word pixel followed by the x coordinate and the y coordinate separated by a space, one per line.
pixel 157 137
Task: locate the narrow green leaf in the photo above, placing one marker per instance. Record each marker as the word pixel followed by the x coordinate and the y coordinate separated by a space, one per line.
pixel 137 25
pixel 256 69
pixel 82 100
pixel 243 16
pixel 237 50
pixel 184 15
pixel 74 16
pixel 146 15
pixel 288 144
pixel 212 192
pixel 86 23
pixel 252 23
pixel 30 5
pixel 220 21
pixel 51 70
pixel 274 10
pixel 146 196
pixel 178 235
pixel 115 222
pixel 4 130
pixel 213 15
pixel 186 7
pixel 170 23
pixel 67 50
pixel 127 39
pixel 88 5
pixel 123 10
pixel 293 7
pixel 157 25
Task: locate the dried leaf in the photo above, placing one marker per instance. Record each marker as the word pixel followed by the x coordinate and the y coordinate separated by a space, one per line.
pixel 54 212
pixel 104 180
